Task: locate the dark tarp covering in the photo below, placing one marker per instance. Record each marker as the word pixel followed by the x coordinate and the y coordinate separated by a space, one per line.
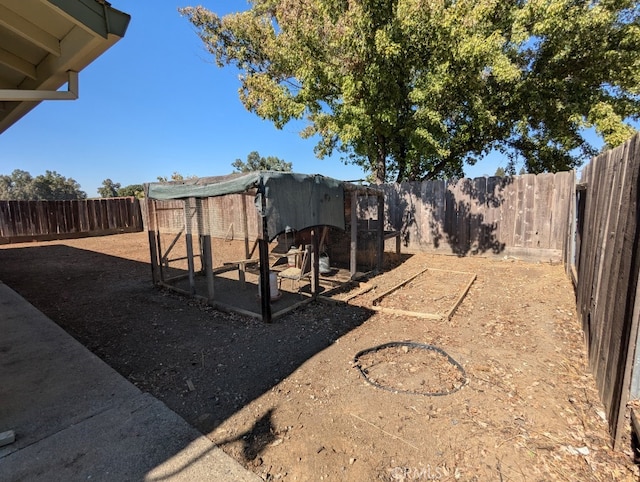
pixel 293 201
pixel 204 187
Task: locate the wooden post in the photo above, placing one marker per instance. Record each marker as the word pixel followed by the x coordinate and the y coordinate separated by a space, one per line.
pixel 354 235
pixel 380 234
pixel 315 263
pixel 157 234
pixel 155 275
pixel 201 233
pixel 245 227
pixel 189 243
pixel 207 261
pixel 154 257
pixel 263 248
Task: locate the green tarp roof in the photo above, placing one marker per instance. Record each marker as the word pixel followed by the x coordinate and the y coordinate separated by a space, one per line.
pixel 293 201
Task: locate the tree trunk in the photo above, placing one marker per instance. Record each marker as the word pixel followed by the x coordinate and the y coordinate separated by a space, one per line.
pixel 381 160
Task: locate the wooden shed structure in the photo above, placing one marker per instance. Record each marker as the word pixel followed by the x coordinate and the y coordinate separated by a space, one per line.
pixel 290 218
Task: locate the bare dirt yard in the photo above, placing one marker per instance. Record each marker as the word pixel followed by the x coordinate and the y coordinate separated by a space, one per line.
pixel 289 401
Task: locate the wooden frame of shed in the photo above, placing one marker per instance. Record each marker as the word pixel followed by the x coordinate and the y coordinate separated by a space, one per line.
pixel 283 201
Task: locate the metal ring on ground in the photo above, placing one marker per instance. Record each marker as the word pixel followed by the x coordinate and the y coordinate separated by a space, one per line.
pixel 422 346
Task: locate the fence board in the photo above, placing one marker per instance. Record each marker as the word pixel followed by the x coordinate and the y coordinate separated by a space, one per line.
pixel 477 207
pixel 518 225
pixel 519 215
pixel 607 276
pixel 39 220
pixel 626 250
pixel 528 206
pixel 613 208
pixel 543 195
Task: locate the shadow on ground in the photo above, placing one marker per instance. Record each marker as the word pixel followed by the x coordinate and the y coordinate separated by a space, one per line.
pixel 203 364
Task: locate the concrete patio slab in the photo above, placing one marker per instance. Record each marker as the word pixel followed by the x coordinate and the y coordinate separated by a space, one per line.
pixel 75 418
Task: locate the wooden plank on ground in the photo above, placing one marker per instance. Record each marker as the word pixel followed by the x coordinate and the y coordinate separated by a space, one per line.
pixel 397 286
pixel 460 297
pixel 416 314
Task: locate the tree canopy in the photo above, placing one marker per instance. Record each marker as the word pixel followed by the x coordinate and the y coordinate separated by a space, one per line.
pixel 114 189
pixel 176 176
pixel 51 186
pixel 257 163
pixel 135 190
pixel 414 89
pixel 109 188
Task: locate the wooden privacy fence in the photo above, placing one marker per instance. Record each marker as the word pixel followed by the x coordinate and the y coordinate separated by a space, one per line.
pixel 604 260
pixel 525 216
pixel 46 220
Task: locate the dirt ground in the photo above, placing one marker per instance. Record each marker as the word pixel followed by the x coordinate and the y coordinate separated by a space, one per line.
pixel 288 400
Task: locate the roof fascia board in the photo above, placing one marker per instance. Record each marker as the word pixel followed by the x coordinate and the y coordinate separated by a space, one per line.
pixel 79 48
pixel 70 60
pixel 97 17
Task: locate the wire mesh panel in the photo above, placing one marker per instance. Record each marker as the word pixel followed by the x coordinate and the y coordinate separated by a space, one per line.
pixel 225 217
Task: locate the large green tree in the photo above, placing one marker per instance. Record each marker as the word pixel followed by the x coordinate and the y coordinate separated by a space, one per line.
pixel 135 190
pixel 20 185
pixel 413 89
pixel 255 162
pixel 109 188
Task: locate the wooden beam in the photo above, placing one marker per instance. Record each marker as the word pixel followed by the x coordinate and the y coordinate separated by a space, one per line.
pixel 363 289
pixel 29 31
pixel 417 314
pixel 207 262
pixel 165 257
pixel 17 64
pixel 263 248
pixel 380 235
pixel 152 233
pixel 289 309
pixel 461 297
pixel 189 242
pixel 398 286
pixel 353 250
pixel 153 205
pixel 234 309
pixel 201 233
pixel 315 263
pixel 325 230
pixel 245 227
pixel 155 276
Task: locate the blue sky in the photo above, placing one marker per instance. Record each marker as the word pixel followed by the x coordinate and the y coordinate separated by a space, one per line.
pixel 153 104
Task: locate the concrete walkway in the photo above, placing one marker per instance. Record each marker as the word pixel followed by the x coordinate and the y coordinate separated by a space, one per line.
pixel 75 418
